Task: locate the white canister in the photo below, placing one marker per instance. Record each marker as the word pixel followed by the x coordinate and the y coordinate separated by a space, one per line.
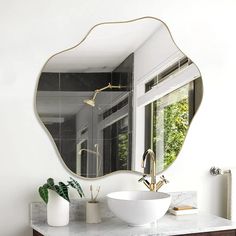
pixel 57 210
pixel 93 214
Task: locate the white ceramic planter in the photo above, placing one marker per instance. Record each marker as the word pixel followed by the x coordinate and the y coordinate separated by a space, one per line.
pixel 57 210
pixel 93 215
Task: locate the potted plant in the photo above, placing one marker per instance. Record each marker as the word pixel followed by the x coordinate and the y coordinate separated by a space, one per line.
pixel 57 199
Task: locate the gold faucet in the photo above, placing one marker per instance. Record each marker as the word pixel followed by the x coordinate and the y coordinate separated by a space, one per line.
pixel 153 186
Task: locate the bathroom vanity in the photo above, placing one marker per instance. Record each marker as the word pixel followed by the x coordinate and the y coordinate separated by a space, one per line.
pixel 196 224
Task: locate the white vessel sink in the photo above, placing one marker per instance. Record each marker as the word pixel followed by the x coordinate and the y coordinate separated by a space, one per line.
pixel 138 208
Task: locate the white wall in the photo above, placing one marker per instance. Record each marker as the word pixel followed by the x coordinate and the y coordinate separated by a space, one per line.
pixel 31 31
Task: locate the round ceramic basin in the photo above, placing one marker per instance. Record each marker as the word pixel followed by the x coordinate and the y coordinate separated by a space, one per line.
pixel 138 208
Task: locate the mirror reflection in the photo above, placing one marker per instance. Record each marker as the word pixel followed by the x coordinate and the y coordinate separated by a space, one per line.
pixel 122 90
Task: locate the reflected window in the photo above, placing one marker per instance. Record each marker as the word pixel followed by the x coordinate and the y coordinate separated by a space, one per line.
pixel 116 150
pixel 169 117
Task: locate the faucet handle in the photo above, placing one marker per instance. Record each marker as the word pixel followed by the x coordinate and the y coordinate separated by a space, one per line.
pixel 164 179
pixel 161 182
pixel 143 178
pixel 146 182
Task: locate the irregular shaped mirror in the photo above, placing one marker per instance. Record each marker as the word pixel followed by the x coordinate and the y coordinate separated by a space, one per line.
pixel 124 88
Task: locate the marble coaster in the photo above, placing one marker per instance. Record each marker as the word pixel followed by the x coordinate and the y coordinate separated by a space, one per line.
pixel 183 198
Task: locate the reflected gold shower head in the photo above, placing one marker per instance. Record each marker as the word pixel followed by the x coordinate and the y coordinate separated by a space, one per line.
pixel 91 102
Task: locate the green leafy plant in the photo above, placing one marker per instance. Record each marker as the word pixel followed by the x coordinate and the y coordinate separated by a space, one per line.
pixel 61 189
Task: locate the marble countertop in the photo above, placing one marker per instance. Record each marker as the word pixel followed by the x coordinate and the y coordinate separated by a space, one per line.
pixel 168 225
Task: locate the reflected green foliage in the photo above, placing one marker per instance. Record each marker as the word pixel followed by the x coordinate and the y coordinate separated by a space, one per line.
pixel 176 123
pixel 123 142
pixel 176 126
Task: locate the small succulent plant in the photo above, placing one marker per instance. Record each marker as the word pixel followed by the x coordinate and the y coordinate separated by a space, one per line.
pixel 61 189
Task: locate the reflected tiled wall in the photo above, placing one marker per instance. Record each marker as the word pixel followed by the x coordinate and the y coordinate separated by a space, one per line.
pixel 65 133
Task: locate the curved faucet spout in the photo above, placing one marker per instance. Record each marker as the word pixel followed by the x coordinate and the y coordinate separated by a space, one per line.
pixel 98 157
pixel 149 153
pixel 145 154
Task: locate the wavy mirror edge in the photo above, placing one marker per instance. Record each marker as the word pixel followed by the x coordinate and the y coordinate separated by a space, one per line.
pixel 77 45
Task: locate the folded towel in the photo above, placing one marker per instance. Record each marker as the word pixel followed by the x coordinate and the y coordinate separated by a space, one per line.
pixel 231 201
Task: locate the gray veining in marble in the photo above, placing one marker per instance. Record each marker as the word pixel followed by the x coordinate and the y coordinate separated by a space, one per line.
pixel 38 211
pixel 183 198
pixel 168 225
pixel 77 207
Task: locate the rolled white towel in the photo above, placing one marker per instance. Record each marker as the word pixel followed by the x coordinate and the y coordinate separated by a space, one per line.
pixel 231 201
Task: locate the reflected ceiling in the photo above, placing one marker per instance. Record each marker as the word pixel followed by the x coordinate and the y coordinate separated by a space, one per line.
pixel 103 51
